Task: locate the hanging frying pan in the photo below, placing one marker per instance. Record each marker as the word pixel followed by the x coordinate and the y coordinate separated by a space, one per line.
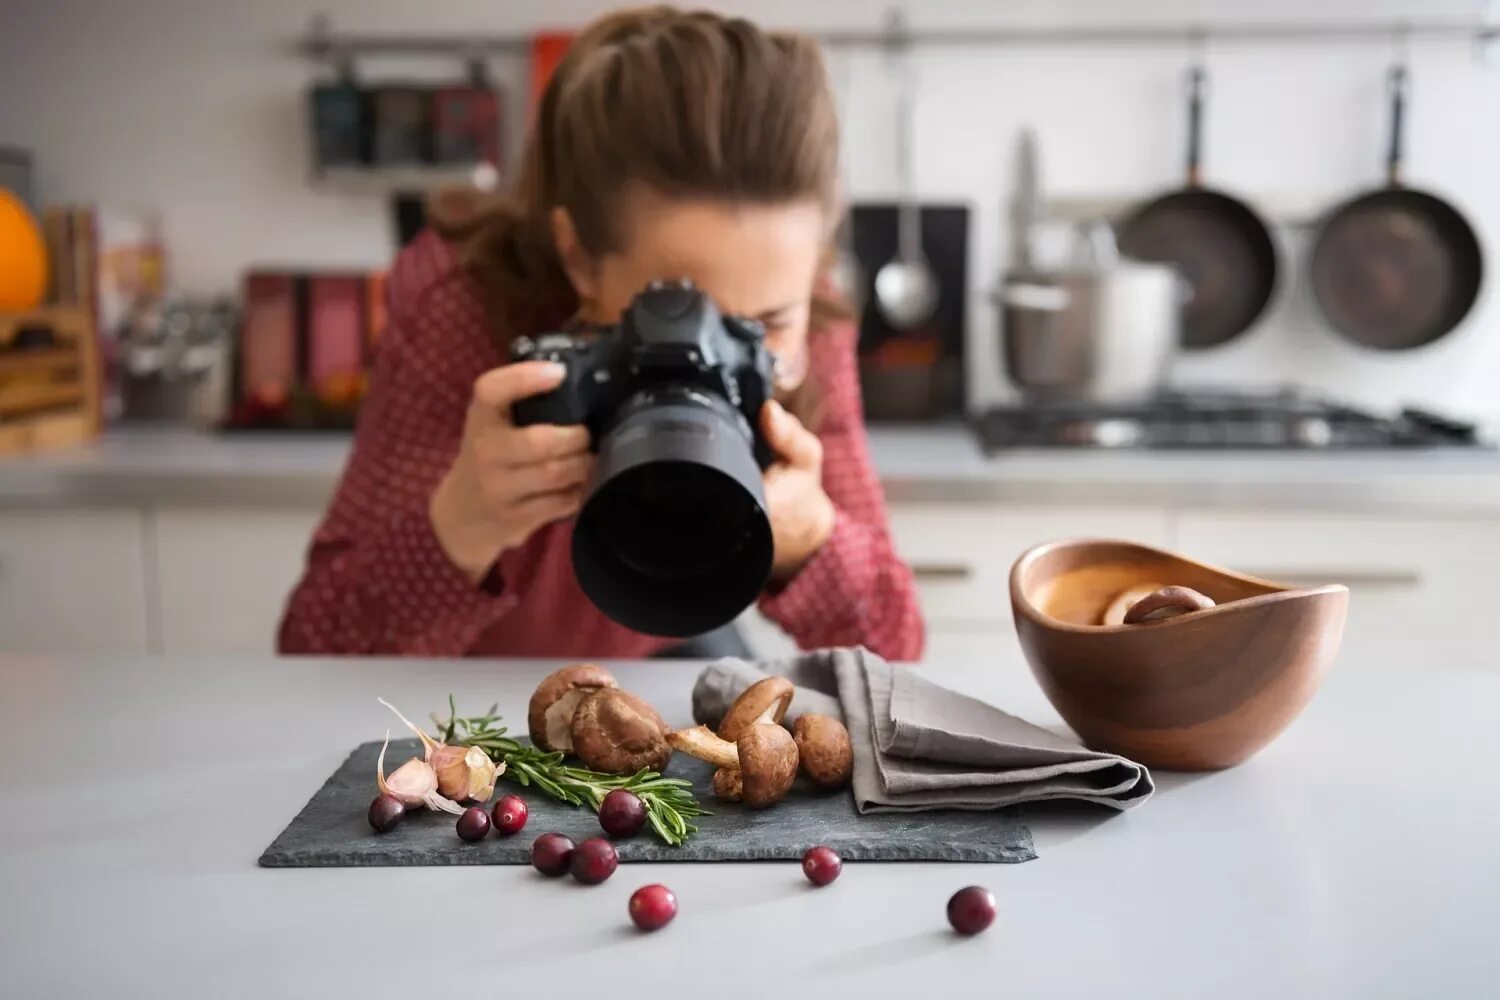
pixel 1395 268
pixel 1220 246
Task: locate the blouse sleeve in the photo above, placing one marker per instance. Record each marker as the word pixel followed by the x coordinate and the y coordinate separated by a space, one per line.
pixel 376 579
pixel 856 590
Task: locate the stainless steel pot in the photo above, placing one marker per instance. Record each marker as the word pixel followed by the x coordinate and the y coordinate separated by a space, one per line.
pixel 1104 329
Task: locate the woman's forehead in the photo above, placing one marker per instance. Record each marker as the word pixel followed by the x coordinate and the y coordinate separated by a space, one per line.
pixel 751 258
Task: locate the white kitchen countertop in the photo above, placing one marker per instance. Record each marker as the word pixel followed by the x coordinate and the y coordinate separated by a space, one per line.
pixel 1355 857
pixel 916 464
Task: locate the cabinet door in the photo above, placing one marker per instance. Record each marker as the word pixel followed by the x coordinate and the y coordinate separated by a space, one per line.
pixel 225 576
pixel 1419 588
pixel 961 554
pixel 72 582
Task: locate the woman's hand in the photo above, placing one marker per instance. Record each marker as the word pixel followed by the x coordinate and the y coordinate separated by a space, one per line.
pixel 801 513
pixel 507 481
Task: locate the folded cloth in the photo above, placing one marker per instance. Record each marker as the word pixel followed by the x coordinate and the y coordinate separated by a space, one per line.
pixel 919 746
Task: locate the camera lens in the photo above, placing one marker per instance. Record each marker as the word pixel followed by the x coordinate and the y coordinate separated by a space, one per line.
pixel 673 538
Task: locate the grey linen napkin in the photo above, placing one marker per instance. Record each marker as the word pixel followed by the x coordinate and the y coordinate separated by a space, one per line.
pixel 919 746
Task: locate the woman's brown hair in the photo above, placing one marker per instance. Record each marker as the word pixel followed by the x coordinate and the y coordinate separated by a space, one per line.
pixel 689 104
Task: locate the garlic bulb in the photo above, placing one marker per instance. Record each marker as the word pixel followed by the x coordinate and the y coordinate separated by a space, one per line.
pixel 461 772
pixel 414 783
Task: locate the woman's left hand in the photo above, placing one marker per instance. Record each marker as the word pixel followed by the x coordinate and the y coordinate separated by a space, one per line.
pixel 801 513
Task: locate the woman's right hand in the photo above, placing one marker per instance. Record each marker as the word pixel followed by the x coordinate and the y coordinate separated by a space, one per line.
pixel 507 481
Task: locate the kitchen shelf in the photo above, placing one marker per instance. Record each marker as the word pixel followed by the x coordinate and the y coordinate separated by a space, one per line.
pixel 38 361
pixel 321 42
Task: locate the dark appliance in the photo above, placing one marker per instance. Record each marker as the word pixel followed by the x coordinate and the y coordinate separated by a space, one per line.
pixel 917 373
pixel 1287 419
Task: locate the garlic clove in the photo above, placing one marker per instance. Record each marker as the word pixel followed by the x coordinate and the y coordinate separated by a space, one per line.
pixel 483 773
pixel 464 773
pixel 411 783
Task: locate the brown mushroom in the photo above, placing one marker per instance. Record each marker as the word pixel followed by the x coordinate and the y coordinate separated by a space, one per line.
pixel 1168 602
pixel 728 784
pixel 768 764
pixel 549 717
pixel 1115 613
pixel 824 749
pixel 618 733
pixel 759 767
pixel 764 701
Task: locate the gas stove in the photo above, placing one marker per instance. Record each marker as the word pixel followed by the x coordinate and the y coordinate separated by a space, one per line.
pixel 1283 420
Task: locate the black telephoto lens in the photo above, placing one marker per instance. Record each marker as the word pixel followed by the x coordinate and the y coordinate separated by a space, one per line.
pixel 673 538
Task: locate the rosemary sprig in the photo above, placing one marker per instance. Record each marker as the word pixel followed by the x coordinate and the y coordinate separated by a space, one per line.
pixel 670 805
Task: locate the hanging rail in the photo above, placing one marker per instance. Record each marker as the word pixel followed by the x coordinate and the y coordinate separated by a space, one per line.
pixel 321 42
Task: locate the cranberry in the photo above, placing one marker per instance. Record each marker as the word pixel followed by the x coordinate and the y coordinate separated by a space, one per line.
pixel 622 813
pixel 822 865
pixel 474 824
pixel 652 907
pixel 509 815
pixel 594 861
pixel 385 812
pixel 551 853
pixel 971 910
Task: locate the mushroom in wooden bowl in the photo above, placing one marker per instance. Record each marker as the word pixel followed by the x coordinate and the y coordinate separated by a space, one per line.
pixel 1171 662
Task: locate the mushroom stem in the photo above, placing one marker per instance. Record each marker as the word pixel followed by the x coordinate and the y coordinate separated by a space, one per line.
pixel 701 742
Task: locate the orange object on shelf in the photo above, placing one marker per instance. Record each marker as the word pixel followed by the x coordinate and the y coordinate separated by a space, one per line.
pixel 23 256
pixel 547 50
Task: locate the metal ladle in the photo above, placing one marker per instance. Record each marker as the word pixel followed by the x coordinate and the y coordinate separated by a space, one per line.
pixel 906 288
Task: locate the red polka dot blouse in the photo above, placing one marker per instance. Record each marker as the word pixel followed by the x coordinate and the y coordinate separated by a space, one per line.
pixel 377 581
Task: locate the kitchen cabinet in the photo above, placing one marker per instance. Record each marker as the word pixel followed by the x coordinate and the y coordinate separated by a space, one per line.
pixel 225 575
pixel 73 581
pixel 1418 587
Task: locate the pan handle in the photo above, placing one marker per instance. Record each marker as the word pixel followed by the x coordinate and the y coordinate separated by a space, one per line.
pixel 1400 88
pixel 1196 84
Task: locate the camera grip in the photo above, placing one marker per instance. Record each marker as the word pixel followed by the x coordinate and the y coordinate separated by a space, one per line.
pixel 560 406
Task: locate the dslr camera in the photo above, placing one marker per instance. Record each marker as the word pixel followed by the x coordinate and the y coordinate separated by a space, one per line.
pixel 673 537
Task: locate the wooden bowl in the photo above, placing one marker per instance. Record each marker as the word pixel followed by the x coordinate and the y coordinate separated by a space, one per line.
pixel 1198 692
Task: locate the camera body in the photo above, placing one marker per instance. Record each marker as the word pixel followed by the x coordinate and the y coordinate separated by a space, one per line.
pixel 672 343
pixel 673 537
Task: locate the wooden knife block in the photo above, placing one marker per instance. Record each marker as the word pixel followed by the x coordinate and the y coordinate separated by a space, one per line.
pixel 49 379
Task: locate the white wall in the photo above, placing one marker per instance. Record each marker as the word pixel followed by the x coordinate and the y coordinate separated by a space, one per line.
pixel 193 107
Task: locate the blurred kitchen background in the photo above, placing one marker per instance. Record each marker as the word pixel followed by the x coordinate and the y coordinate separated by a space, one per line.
pixel 218 187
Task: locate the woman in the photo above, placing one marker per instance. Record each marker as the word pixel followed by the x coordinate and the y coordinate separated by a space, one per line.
pixel 667 145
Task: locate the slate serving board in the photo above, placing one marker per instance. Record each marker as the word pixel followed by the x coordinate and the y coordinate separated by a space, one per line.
pixel 331 830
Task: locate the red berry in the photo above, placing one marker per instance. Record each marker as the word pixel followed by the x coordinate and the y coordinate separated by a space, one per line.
pixel 652 907
pixel 622 813
pixel 971 910
pixel 594 861
pixel 822 865
pixel 385 812
pixel 509 815
pixel 474 824
pixel 551 853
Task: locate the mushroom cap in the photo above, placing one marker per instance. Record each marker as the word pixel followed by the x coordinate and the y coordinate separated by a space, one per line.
pixel 824 749
pixel 728 784
pixel 768 764
pixel 549 716
pixel 764 701
pixel 618 733
pixel 1168 602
